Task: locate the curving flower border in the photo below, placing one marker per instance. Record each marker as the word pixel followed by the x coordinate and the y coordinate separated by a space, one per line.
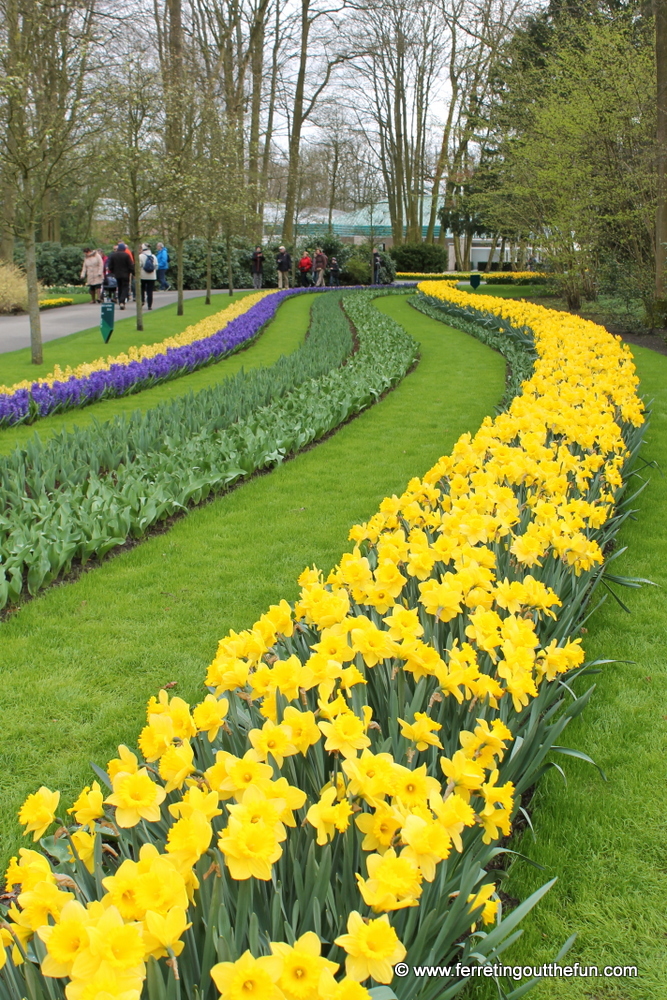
pixel 459 599
pixel 497 277
pixel 142 367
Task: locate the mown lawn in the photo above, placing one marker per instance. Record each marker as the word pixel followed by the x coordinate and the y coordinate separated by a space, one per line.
pixel 282 336
pixel 80 661
pixel 87 345
pixel 607 841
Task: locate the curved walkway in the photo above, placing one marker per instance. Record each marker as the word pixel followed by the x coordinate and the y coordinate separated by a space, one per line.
pixel 61 322
pixel 80 662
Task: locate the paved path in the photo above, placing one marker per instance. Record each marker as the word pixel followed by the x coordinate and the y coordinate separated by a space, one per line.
pixel 15 330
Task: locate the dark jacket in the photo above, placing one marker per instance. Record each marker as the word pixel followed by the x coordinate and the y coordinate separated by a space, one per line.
pixel 284 261
pixel 334 267
pixel 120 265
pixel 257 261
pixel 321 261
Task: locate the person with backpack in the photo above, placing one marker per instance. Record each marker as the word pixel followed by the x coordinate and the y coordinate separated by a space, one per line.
pixel 334 273
pixel 121 265
pixel 257 267
pixel 305 265
pixel 162 258
pixel 148 275
pixel 321 261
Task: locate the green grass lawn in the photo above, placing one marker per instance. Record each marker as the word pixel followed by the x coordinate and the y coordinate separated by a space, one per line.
pixel 80 661
pixel 87 345
pixel 282 336
pixel 607 841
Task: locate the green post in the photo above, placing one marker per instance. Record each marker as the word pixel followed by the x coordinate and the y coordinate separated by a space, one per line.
pixel 107 320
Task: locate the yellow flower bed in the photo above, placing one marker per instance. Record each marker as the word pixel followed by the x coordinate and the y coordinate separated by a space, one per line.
pixel 510 276
pixel 448 596
pixel 448 275
pixel 52 303
pixel 197 331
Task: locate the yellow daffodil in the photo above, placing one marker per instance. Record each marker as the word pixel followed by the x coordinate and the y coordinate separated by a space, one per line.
pixel 328 817
pixel 372 947
pixel 249 978
pixel 421 731
pixel 39 811
pixel 136 797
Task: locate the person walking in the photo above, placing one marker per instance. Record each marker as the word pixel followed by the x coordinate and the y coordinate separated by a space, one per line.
pixel 284 264
pixel 93 273
pixel 121 266
pixel 334 273
pixel 305 266
pixel 162 264
pixel 321 261
pixel 148 275
pixel 257 267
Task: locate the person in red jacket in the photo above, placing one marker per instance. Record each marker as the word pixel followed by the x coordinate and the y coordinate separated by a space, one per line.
pixel 305 266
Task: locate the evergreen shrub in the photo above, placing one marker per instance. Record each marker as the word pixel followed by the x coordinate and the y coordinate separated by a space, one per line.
pixel 425 258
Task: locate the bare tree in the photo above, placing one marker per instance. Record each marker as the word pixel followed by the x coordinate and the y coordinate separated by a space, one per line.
pixel 176 182
pixel 302 104
pixel 131 153
pixel 475 33
pixel 401 45
pixel 45 109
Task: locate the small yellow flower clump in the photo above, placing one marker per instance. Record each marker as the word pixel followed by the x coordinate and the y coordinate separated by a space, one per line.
pixel 52 303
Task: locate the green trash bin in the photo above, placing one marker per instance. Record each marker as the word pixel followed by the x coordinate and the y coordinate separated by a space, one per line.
pixel 107 320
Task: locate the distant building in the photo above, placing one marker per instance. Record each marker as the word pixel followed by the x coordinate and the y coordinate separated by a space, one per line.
pixel 369 223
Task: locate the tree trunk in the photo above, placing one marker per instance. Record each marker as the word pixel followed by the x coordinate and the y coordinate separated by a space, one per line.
pixel 257 66
pixel 501 257
pixel 521 256
pixel 297 123
pixel 6 224
pixel 33 297
pixel 179 270
pixel 137 284
pixel 660 12
pixel 467 246
pixel 492 251
pixel 457 252
pixel 230 272
pixel 334 178
pixel 266 155
pixel 208 269
pixel 399 95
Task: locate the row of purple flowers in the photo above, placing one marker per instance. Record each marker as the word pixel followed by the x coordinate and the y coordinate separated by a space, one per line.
pixel 28 405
